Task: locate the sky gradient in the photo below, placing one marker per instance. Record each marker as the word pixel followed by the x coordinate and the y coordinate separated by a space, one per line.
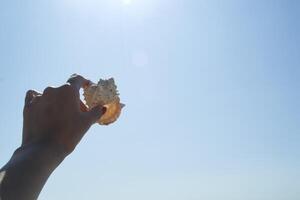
pixel 211 91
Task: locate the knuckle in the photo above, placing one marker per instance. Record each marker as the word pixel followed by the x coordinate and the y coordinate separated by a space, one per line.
pixel 36 100
pixel 30 95
pixel 74 77
pixel 48 90
pixel 67 89
pixel 29 92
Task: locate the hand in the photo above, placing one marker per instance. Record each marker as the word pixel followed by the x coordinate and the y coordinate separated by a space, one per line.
pixel 58 117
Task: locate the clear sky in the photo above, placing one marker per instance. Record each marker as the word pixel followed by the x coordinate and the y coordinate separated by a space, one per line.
pixel 211 88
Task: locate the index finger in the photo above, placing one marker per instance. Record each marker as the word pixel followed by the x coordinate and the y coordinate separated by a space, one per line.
pixel 77 82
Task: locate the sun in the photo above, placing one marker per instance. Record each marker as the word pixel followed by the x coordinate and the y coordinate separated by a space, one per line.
pixel 127 2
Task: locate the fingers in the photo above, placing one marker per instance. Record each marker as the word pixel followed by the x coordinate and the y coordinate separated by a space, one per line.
pixel 30 95
pixel 48 91
pixel 93 115
pixel 78 82
pixel 83 107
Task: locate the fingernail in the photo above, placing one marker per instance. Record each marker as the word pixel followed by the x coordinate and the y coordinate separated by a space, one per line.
pixel 73 75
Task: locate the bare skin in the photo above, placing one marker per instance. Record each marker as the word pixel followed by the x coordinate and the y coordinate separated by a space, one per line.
pixel 54 123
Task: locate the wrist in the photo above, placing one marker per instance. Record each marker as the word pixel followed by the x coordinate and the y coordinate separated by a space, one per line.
pixel 28 170
pixel 43 153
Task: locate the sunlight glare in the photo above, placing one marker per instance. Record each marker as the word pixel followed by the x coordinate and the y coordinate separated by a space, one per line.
pixel 127 2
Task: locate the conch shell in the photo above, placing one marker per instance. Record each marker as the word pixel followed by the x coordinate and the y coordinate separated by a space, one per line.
pixel 104 93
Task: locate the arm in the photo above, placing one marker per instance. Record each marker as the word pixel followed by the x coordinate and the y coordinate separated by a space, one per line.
pixel 28 170
pixel 54 123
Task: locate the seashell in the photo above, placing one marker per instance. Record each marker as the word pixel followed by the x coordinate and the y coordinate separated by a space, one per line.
pixel 104 93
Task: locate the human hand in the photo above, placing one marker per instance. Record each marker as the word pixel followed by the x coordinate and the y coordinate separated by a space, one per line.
pixel 57 116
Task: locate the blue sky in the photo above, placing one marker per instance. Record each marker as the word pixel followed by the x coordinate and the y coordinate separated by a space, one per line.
pixel 211 88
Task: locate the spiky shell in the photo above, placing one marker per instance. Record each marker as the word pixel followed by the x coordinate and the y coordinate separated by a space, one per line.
pixel 104 93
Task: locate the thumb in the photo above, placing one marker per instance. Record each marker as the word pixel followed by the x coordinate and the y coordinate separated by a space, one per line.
pixel 94 114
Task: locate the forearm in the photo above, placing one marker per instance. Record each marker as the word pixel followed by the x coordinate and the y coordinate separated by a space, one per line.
pixel 28 170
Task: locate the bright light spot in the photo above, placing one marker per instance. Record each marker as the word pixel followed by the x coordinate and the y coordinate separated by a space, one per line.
pixel 127 2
